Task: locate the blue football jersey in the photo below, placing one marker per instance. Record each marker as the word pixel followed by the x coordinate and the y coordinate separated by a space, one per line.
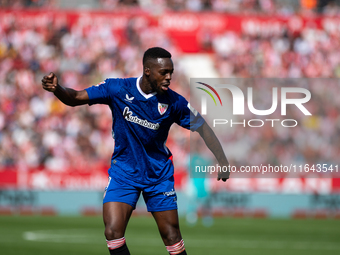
pixel 140 127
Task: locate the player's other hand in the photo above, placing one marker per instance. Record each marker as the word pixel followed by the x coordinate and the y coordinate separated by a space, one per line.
pixel 224 176
pixel 50 82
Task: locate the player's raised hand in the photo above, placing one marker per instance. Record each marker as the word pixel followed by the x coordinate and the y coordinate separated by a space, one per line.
pixel 50 82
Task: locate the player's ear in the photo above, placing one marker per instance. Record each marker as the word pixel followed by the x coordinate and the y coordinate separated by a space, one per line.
pixel 147 71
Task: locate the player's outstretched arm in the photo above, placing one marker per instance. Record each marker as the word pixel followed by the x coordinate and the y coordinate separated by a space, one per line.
pixel 215 147
pixel 68 96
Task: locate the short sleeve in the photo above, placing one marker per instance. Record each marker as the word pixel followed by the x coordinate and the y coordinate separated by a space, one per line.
pixel 100 93
pixel 187 116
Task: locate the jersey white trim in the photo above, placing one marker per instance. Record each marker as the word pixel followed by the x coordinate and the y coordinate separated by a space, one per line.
pixel 147 96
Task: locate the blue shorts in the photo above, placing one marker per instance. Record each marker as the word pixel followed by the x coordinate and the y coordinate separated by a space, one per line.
pixel 158 197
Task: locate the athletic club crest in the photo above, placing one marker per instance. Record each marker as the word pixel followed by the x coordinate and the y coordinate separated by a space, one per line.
pixel 162 108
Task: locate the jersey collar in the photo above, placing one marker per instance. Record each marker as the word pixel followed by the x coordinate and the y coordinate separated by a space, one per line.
pixel 146 96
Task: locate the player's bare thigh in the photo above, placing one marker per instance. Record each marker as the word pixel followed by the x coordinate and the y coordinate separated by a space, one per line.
pixel 116 216
pixel 168 226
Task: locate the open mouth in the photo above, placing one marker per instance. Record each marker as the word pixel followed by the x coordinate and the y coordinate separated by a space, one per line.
pixel 165 86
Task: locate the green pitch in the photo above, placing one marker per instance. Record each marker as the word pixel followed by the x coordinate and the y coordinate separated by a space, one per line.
pixel 84 236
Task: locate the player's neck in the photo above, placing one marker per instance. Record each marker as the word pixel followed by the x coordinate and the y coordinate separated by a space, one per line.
pixel 145 86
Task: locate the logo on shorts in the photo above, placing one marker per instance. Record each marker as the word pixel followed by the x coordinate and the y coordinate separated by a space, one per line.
pixel 169 193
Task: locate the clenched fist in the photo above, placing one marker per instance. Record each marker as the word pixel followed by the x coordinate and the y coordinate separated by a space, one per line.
pixel 50 82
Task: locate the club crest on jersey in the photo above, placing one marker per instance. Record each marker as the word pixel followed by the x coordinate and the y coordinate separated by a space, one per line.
pixel 162 108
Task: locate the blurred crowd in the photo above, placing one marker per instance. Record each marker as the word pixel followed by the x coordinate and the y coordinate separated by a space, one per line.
pixel 313 53
pixel 37 131
pixel 280 7
pixel 28 3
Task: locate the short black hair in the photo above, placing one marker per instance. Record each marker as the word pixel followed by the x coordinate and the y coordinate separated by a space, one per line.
pixel 154 53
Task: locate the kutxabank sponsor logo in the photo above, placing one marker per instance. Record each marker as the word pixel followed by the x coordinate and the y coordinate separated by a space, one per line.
pixel 127 114
pixel 239 100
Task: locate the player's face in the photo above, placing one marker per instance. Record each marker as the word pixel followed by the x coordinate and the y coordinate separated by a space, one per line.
pixel 160 73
